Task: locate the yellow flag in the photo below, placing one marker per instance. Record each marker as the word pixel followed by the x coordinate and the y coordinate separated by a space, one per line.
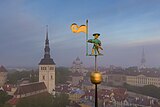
pixel 77 29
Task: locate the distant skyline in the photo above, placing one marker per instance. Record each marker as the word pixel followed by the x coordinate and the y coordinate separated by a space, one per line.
pixel 126 26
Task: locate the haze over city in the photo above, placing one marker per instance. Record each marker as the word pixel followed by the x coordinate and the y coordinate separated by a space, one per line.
pixel 125 26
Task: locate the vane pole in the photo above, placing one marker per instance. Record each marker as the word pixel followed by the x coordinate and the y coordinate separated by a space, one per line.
pixel 87 38
pixel 96 94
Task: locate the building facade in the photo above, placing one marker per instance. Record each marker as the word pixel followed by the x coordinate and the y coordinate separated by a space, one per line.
pixel 116 79
pixel 77 66
pixel 47 68
pixel 76 78
pixel 27 90
pixel 134 77
pixel 3 75
pixel 142 80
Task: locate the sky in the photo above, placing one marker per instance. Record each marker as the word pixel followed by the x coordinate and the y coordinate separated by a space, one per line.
pixel 126 27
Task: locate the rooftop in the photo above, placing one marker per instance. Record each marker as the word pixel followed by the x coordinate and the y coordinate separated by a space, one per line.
pixel 2 69
pixel 28 88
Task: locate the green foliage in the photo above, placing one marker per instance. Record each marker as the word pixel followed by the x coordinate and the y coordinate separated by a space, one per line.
pixel 62 75
pixel 61 100
pixel 3 98
pixel 7 105
pixel 13 77
pixel 40 100
pixel 149 90
pixel 44 100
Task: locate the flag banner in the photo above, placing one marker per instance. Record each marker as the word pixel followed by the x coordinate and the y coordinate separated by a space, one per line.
pixel 77 29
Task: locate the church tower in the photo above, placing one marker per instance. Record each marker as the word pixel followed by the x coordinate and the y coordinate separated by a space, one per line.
pixel 143 60
pixel 3 75
pixel 47 68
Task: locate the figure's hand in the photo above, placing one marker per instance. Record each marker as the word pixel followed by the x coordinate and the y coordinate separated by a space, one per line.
pixel 90 40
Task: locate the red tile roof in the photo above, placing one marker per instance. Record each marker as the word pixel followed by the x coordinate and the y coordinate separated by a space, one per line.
pixel 8 87
pixel 28 88
pixel 119 91
pixel 63 88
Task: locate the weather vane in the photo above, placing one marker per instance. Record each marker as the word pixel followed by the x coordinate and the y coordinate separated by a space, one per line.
pixel 96 42
pixel 96 76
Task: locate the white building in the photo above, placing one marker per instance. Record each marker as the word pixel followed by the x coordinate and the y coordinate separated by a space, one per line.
pixel 142 80
pixel 77 66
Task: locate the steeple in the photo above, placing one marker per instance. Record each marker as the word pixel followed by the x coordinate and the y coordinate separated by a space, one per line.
pixel 47 41
pixel 47 49
pixel 47 59
pixel 143 60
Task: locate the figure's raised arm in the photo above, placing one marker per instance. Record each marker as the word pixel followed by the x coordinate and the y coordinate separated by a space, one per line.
pixel 90 41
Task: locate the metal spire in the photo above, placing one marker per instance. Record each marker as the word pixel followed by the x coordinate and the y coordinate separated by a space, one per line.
pixel 47 59
pixel 46 32
pixel 143 60
pixel 47 49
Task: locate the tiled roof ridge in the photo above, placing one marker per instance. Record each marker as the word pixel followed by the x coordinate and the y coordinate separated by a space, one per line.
pixel 30 83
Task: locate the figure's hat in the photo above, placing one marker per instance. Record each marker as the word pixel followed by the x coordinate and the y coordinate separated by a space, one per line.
pixel 96 34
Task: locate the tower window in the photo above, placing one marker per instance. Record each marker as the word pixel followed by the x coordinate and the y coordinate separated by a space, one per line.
pixel 51 68
pixel 43 77
pixel 51 77
pixel 43 68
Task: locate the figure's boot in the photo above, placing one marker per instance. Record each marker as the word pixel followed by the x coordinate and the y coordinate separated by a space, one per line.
pixel 99 52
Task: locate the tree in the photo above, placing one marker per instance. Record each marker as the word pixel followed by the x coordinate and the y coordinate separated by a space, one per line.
pixel 149 90
pixel 62 75
pixel 13 77
pixel 3 97
pixel 40 100
pixel 44 100
pixel 61 100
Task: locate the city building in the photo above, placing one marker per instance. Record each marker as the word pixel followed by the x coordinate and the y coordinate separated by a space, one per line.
pixel 27 90
pixel 75 95
pixel 77 65
pixel 47 68
pixel 10 89
pixel 134 76
pixel 78 72
pixel 77 77
pixel 117 97
pixel 3 75
pixel 115 79
pixel 30 89
pixel 142 80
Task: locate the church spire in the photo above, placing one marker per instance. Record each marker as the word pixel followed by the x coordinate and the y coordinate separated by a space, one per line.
pixel 47 59
pixel 143 60
pixel 47 32
pixel 47 49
